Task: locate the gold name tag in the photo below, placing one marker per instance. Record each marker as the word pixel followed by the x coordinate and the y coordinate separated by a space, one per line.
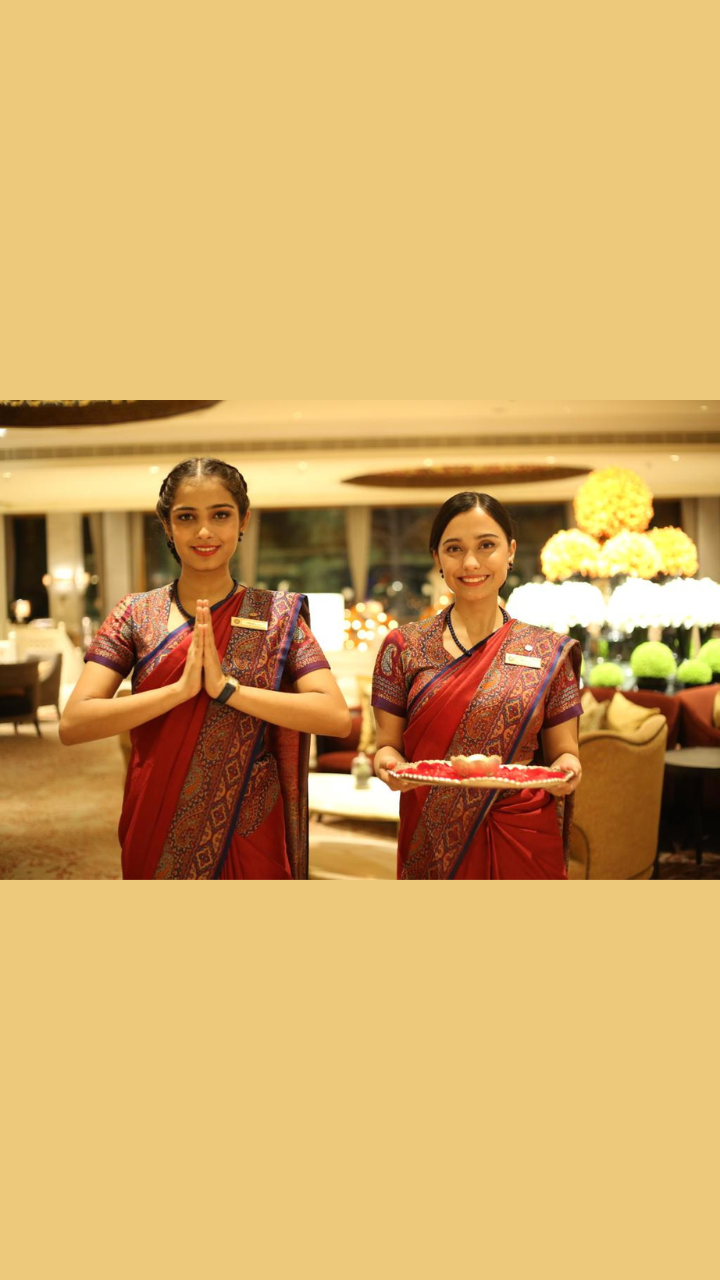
pixel 252 624
pixel 518 660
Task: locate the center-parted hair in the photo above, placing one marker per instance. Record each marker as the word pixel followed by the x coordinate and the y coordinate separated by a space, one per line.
pixel 469 501
pixel 201 469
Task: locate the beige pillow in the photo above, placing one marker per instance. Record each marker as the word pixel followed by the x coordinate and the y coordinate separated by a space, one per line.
pixel 625 716
pixel 594 713
pixel 367 742
pixel 716 711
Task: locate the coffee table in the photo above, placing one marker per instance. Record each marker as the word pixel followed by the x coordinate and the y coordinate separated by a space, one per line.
pixel 346 853
pixel 336 795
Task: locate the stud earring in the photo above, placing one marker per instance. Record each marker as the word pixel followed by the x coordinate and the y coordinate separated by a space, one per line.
pixel 242 535
pixel 511 566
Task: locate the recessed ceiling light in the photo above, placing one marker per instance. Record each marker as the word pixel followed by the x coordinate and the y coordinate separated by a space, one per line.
pixel 154 471
pixel 674 457
pixel 550 459
pixel 7 475
pixel 704 406
pixel 302 466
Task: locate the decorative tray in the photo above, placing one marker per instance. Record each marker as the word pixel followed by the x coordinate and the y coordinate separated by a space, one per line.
pixel 490 776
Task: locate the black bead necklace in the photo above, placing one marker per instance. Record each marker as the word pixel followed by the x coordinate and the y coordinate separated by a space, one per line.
pixel 451 629
pixel 175 596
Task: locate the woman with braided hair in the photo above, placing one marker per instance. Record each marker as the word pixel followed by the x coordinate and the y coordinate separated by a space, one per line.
pixel 227 684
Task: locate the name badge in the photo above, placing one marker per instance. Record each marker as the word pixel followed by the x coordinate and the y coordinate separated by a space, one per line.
pixel 519 660
pixel 252 624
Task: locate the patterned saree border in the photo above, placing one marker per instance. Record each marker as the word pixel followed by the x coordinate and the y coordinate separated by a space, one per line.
pixel 552 668
pixel 450 821
pixel 228 745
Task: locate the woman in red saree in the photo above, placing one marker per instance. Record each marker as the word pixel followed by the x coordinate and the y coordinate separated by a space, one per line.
pixel 473 681
pixel 228 682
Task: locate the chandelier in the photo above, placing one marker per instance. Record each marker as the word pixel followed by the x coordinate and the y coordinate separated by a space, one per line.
pixel 85 413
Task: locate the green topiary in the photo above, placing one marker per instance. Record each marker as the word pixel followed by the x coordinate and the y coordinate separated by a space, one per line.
pixel 654 660
pixel 694 671
pixel 710 653
pixel 606 675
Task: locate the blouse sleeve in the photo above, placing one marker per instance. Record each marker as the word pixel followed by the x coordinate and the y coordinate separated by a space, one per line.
pixel 389 685
pixel 305 654
pixel 114 644
pixel 563 700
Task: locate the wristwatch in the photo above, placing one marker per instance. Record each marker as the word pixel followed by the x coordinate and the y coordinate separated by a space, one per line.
pixel 231 686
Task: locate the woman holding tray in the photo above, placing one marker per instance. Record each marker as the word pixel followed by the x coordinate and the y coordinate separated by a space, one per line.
pixel 474 681
pixel 228 682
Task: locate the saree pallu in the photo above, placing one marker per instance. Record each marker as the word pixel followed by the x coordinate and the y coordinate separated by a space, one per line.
pixel 212 793
pixel 481 703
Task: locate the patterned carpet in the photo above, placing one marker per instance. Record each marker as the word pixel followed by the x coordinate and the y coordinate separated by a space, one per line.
pixel 59 807
pixel 59 810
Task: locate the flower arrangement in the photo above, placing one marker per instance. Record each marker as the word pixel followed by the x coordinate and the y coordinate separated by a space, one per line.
pixel 613 500
pixel 687 601
pixel 634 554
pixel 694 671
pixel 636 603
pixel 580 604
pixel 710 653
pixel 606 675
pixel 678 552
pixel 653 660
pixel 567 552
pixel 538 603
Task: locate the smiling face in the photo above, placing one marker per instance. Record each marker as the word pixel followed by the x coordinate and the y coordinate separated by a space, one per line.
pixel 205 524
pixel 474 555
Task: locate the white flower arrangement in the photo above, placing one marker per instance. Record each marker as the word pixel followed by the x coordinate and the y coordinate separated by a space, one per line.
pixel 636 603
pixel 538 603
pixel 581 604
pixel 688 602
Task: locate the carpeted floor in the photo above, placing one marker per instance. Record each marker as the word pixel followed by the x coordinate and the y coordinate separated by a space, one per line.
pixel 59 807
pixel 59 810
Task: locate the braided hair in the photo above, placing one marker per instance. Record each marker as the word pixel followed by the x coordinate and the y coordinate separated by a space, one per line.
pixel 197 469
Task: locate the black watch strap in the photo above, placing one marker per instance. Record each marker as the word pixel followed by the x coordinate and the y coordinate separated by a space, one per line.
pixel 230 688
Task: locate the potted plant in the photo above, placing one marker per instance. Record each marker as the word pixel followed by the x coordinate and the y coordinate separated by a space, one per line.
pixel 652 663
pixel 606 675
pixel 710 653
pixel 693 672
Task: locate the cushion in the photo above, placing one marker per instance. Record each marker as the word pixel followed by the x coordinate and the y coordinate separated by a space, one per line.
pixel 594 713
pixel 368 742
pixel 716 711
pixel 624 716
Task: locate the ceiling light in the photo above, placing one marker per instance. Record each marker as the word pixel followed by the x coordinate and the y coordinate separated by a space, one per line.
pixel 302 466
pixel 427 462
pixel 7 475
pixel 674 457
pixel 704 406
pixel 550 459
pixel 2 431
pixel 154 471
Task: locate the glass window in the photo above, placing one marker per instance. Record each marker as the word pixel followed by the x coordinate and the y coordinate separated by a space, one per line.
pixel 303 550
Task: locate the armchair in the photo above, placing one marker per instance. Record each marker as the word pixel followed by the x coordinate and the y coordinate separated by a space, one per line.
pixel 617 805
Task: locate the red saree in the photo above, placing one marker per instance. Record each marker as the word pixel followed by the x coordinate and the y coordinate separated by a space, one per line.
pixel 212 793
pixel 481 703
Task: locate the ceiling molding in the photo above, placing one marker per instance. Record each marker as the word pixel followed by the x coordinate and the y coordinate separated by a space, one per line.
pixel 353 444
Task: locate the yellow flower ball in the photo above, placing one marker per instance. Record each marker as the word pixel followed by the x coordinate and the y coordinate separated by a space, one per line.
pixel 613 500
pixel 567 552
pixel 633 554
pixel 677 551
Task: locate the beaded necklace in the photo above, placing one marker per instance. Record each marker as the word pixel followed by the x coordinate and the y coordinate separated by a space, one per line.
pixel 451 629
pixel 175 596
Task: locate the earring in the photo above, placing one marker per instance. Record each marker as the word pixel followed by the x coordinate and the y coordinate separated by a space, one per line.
pixel 242 535
pixel 442 575
pixel 511 566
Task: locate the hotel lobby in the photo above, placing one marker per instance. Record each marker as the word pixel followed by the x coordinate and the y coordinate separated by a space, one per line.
pixel 342 497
